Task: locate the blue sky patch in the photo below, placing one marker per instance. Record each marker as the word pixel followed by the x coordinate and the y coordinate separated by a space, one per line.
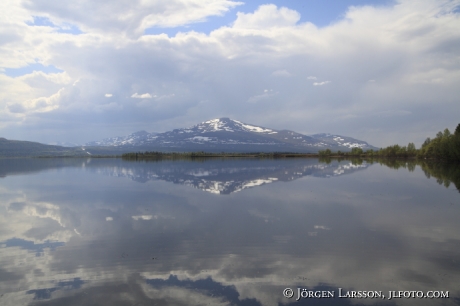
pixel 30 245
pixel 319 12
pixel 209 285
pixel 45 294
pixel 17 72
pixel 41 21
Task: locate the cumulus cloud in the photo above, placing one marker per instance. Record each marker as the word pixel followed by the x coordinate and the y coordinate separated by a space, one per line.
pixel 41 104
pixel 267 16
pixel 129 18
pixel 108 95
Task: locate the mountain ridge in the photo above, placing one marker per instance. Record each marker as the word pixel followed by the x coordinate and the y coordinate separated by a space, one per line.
pixel 227 134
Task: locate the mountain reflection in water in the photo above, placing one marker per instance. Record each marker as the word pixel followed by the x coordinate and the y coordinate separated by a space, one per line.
pixel 230 176
pixel 75 232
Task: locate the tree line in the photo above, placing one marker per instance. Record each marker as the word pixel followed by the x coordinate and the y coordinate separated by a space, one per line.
pixel 445 146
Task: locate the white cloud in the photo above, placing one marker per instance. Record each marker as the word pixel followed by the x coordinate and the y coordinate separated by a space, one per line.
pixel 128 18
pixel 142 96
pixel 267 16
pixel 321 83
pixel 41 104
pixel 142 217
pixel 108 95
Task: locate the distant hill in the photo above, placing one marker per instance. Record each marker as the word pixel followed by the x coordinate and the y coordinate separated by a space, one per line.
pixel 64 144
pixel 17 148
pixel 228 135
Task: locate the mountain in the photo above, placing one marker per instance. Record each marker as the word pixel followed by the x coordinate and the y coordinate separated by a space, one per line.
pixel 230 135
pixel 138 138
pixel 64 144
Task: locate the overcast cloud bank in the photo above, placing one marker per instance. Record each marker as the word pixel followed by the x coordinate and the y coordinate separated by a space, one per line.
pixel 386 74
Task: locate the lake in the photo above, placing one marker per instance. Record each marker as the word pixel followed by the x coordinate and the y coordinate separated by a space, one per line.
pixel 228 232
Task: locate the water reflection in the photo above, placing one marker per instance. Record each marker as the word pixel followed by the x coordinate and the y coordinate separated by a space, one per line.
pixel 228 176
pixel 76 232
pixel 218 176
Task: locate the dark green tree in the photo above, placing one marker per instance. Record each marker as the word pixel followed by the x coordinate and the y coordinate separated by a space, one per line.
pixel 457 130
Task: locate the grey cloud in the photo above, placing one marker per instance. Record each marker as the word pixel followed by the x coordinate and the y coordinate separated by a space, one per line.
pixel 8 37
pixel 16 108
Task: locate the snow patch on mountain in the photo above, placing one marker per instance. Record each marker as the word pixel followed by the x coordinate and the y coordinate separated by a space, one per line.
pixel 252 128
pixel 219 187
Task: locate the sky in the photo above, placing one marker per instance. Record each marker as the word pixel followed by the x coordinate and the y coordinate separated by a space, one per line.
pixel 385 72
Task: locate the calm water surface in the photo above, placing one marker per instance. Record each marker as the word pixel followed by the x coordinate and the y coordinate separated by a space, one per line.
pixel 224 232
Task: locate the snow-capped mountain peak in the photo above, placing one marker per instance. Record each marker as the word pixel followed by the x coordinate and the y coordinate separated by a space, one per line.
pixel 228 125
pixel 229 135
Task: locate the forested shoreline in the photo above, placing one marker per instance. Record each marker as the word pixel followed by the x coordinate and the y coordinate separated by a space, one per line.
pixel 445 146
